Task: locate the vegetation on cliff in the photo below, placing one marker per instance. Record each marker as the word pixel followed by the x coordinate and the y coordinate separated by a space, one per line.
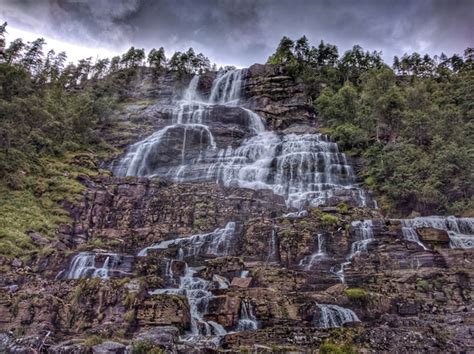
pixel 411 124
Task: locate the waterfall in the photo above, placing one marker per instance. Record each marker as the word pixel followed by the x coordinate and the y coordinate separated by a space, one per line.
pixel 460 230
pixel 307 169
pixel 198 293
pixel 244 274
pixel 83 265
pixel 332 316
pixel 197 290
pixel 363 231
pixel 273 251
pixel 308 262
pixel 226 88
pixel 216 243
pixel 296 214
pixel 221 281
pixel 247 320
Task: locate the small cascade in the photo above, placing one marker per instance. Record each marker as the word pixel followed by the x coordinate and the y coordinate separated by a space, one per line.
pixel 83 265
pixel 363 230
pixel 221 281
pixel 307 169
pixel 226 88
pixel 197 290
pixel 247 320
pixel 244 274
pixel 309 261
pixel 409 234
pixel 273 248
pixel 364 233
pixel 333 316
pixel 296 214
pixel 460 230
pixel 216 243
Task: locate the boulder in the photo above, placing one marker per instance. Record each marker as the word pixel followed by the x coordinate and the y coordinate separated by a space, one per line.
pixel 164 337
pixel 109 348
pixel 241 282
pixel 431 235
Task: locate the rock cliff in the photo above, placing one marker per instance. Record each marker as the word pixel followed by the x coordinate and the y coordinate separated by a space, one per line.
pixel 177 257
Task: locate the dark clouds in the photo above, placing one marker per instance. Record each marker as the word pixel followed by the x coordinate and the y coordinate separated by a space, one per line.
pixel 246 31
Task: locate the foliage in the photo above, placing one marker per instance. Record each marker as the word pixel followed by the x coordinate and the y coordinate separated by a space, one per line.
pixel 411 127
pixel 329 220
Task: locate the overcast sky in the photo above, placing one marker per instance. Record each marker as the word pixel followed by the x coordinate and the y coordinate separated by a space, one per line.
pixel 241 32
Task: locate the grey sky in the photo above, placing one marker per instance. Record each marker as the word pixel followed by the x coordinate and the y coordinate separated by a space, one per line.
pixel 243 32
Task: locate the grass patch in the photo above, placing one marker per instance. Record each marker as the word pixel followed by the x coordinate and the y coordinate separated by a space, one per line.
pixel 36 206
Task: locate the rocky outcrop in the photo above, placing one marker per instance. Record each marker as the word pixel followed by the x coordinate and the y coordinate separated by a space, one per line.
pixel 135 212
pixel 274 94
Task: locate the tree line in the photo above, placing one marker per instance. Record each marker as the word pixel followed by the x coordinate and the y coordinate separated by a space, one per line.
pixel 53 66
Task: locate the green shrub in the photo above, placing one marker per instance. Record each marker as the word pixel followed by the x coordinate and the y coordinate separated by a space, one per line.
pixel 329 220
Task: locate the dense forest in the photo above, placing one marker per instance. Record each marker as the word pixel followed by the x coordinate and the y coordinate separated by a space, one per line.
pixel 410 125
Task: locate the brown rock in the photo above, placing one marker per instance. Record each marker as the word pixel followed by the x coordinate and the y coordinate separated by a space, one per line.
pixel 428 234
pixel 241 282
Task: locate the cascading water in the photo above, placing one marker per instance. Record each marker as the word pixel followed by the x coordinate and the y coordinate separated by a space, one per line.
pixel 273 251
pixel 306 169
pixel 363 231
pixel 198 291
pixel 309 261
pixel 460 230
pixel 83 265
pixel 217 243
pixel 247 320
pixel 332 316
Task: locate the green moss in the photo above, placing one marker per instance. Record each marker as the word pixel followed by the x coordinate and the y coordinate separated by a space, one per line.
pixel 355 293
pixel 343 207
pixel 332 348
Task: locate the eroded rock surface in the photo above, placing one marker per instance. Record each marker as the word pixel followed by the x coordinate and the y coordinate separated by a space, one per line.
pixel 148 263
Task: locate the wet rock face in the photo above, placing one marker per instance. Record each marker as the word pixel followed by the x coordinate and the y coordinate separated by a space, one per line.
pixel 139 212
pixel 433 236
pixel 272 93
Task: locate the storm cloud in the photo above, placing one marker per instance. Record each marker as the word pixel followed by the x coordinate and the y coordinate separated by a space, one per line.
pixel 243 32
